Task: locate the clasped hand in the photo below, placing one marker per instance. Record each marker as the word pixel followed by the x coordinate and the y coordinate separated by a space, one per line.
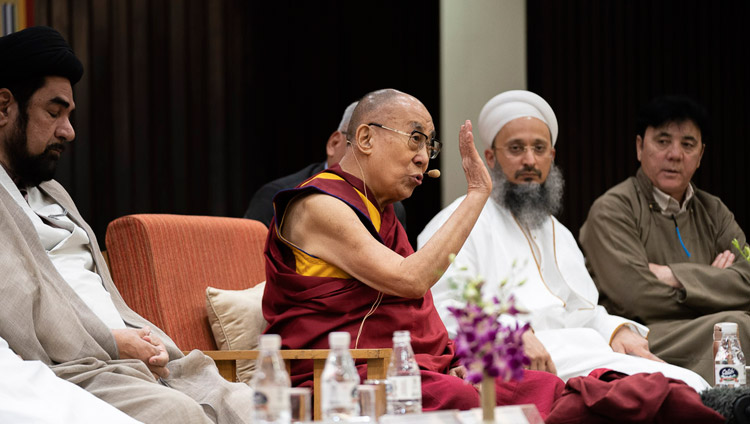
pixel 145 346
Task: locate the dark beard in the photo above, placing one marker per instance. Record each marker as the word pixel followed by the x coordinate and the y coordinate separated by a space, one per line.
pixel 28 170
pixel 530 203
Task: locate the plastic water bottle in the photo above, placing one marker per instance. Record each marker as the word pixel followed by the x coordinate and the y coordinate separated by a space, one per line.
pixel 271 383
pixel 729 364
pixel 405 394
pixel 339 399
pixel 717 338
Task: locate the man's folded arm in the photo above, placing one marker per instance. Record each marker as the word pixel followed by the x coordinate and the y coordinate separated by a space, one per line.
pixel 618 263
pixel 710 289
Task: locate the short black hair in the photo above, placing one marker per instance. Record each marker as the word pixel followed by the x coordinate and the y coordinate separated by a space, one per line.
pixel 672 108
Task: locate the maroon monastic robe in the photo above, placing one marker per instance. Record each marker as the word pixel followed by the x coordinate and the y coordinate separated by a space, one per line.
pixel 606 396
pixel 306 298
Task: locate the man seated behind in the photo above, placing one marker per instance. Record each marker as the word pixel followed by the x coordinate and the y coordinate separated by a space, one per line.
pixel 261 204
pixel 338 260
pixel 570 334
pixel 659 248
pixel 59 304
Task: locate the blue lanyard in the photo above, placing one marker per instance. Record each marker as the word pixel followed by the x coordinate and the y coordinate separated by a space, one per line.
pixel 679 236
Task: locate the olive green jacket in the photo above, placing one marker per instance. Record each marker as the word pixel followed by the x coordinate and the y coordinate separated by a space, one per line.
pixel 625 231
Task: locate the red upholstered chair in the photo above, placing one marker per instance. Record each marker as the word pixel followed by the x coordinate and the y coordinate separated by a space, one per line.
pixel 162 265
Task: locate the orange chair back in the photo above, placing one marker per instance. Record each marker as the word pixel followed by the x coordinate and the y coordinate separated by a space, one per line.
pixel 162 265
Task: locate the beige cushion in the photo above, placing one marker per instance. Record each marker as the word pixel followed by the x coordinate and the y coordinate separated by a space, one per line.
pixel 236 319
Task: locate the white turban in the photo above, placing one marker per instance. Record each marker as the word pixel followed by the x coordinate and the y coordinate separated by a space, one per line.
pixel 510 105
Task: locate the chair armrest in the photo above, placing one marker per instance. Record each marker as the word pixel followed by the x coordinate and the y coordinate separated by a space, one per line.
pixel 377 364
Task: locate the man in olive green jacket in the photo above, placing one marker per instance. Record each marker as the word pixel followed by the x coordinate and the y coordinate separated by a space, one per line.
pixel 659 249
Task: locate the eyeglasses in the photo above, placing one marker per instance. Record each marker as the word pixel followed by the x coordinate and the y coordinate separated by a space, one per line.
pixel 417 140
pixel 517 149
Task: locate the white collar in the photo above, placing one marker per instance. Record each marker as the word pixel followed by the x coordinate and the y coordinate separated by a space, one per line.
pixel 668 204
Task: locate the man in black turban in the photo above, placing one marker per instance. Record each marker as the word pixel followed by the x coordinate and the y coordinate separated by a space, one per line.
pixel 59 304
pixel 33 59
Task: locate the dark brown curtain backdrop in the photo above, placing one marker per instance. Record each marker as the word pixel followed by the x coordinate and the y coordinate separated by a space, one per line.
pixel 189 106
pixel 597 62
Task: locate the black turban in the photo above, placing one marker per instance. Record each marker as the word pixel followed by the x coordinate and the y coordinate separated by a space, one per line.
pixel 37 52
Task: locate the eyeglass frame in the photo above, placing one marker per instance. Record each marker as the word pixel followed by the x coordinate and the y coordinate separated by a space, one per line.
pixel 547 148
pixel 433 144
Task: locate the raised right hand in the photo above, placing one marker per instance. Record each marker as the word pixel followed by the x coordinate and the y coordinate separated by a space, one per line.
pixel 477 177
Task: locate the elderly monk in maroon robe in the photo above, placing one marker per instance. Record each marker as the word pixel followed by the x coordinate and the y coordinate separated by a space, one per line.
pixel 337 259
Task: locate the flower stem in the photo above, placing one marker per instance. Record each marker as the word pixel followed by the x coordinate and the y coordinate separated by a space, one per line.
pixel 488 399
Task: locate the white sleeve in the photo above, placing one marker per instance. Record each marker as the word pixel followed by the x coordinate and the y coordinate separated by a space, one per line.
pixel 442 294
pixel 606 324
pixel 31 393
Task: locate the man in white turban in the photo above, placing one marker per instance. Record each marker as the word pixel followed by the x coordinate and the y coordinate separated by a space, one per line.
pixel 517 237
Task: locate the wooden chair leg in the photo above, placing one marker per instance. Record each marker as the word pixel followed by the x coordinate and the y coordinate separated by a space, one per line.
pixel 318 365
pixel 377 368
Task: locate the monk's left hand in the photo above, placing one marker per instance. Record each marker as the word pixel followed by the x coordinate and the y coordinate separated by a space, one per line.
pixel 459 372
pixel 631 343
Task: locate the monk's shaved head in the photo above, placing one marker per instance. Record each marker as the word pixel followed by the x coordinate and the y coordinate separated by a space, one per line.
pixel 372 103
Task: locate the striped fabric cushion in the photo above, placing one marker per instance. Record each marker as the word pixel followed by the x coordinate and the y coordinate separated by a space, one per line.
pixel 162 265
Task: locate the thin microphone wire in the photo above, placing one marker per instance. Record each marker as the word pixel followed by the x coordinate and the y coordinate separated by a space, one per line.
pixel 379 298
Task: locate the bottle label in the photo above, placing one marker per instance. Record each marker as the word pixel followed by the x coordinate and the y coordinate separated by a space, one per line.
pixel 340 394
pixel 729 374
pixel 405 387
pixel 271 400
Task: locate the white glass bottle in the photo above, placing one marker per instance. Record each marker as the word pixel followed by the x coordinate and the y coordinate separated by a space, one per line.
pixel 271 383
pixel 405 394
pixel 339 397
pixel 729 364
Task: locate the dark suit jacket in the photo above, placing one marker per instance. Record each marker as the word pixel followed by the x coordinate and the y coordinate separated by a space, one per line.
pixel 261 205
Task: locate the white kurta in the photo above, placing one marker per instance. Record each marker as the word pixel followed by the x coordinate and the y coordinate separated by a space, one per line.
pixel 68 247
pixel 31 393
pixel 558 292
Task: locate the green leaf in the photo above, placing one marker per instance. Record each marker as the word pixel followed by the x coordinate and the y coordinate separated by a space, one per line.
pixel 745 252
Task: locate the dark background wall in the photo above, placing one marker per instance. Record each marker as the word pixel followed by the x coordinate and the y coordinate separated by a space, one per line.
pixel 189 106
pixel 597 62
